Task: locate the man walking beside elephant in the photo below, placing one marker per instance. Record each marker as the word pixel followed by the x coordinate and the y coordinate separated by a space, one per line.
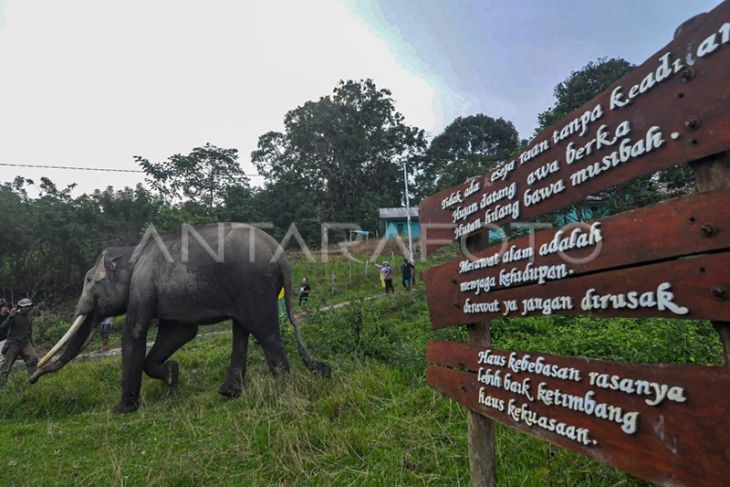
pixel 19 344
pixel 4 314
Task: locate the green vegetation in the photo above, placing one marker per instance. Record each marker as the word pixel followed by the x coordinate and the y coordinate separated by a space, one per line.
pixel 468 147
pixel 375 422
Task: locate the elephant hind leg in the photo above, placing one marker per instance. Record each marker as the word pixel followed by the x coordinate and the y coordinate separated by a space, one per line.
pixel 171 336
pixel 275 354
pixel 264 326
pixel 233 384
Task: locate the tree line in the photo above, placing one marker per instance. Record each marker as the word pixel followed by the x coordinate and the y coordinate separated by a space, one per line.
pixel 338 159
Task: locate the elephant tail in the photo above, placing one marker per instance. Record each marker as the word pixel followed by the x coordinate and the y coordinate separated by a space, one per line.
pixel 313 365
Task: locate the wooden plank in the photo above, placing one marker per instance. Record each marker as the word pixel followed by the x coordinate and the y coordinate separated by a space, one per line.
pixel 682 118
pixel 681 440
pixel 692 288
pixel 675 228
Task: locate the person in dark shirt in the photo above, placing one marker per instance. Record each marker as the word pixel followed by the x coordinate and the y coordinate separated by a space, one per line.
pixel 304 290
pixel 407 271
pixel 4 313
pixel 19 340
pixel 106 326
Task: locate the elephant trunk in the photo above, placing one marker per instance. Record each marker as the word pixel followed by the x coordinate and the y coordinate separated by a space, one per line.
pixel 76 338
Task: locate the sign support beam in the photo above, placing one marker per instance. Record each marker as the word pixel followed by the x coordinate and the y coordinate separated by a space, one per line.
pixel 712 174
pixel 481 430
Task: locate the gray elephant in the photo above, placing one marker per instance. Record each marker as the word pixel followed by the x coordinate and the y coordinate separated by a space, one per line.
pixel 225 271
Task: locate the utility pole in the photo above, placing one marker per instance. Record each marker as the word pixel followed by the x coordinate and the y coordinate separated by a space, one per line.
pixel 408 213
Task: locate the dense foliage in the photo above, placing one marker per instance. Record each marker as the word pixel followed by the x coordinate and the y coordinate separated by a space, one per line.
pixel 469 146
pixel 207 174
pixel 339 158
pixel 581 87
pixel 47 243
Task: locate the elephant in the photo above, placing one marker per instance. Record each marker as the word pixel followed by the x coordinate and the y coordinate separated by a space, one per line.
pixel 184 283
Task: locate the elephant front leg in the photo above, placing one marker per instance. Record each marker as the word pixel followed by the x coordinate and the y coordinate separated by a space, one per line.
pixel 134 344
pixel 233 384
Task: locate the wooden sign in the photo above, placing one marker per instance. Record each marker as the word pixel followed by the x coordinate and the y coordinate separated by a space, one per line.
pixel 543 274
pixel 670 110
pixel 667 424
pixel 691 288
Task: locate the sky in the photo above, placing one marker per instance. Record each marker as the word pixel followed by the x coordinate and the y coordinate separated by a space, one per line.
pixel 92 83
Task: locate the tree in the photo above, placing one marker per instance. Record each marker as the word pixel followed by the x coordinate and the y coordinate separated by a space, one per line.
pixel 43 243
pixel 468 147
pixel 581 87
pixel 339 158
pixel 204 175
pixel 48 242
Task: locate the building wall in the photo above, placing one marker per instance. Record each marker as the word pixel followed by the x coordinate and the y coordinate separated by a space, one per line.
pixel 392 227
pixel 581 213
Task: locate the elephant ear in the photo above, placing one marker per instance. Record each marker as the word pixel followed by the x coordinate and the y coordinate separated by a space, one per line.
pixel 100 272
pixel 107 265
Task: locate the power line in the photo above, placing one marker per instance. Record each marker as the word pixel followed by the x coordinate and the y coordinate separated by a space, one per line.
pixel 74 168
pixel 43 166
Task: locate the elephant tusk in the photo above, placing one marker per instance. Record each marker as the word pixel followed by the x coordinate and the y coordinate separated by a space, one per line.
pixel 65 338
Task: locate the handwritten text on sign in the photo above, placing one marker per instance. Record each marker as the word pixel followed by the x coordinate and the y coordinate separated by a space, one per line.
pixel 543 273
pixel 645 419
pixel 690 288
pixel 499 371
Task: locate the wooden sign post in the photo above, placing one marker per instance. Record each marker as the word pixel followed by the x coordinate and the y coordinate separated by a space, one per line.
pixel 669 424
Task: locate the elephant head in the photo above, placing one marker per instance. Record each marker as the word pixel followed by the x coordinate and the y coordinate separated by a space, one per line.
pixel 106 287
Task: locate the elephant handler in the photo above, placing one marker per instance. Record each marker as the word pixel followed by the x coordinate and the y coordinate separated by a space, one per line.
pixel 4 314
pixel 19 340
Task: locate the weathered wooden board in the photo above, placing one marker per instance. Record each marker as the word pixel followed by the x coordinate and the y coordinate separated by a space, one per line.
pixel 675 228
pixel 671 110
pixel 680 440
pixel 692 288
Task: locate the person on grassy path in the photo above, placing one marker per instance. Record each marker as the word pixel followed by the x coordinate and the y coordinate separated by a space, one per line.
pixel 4 314
pixel 386 272
pixel 407 271
pixel 304 291
pixel 106 327
pixel 19 341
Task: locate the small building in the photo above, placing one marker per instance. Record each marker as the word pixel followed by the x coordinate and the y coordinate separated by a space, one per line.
pixel 393 222
pixel 592 207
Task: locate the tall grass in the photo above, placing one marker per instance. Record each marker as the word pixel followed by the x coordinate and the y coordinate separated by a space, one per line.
pixel 375 422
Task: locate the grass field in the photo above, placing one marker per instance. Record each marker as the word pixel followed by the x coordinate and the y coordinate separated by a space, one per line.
pixel 375 422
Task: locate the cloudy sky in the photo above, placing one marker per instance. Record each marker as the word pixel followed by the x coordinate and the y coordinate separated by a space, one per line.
pixel 92 83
